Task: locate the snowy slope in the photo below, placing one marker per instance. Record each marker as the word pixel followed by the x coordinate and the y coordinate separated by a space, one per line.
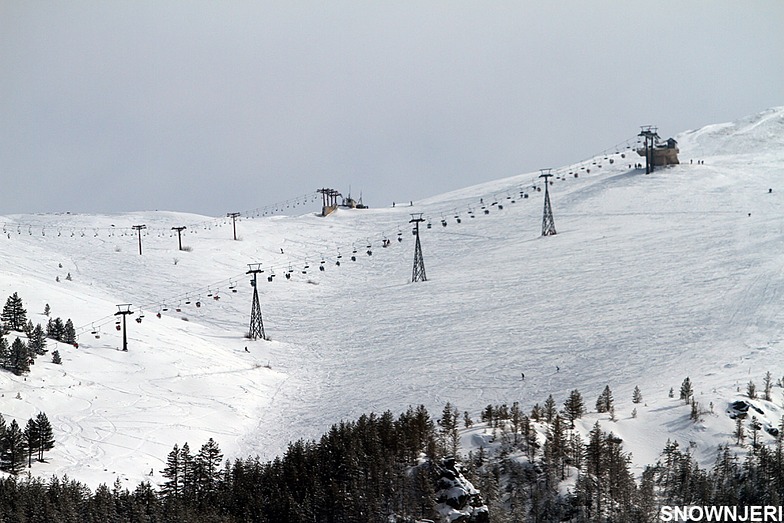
pixel 650 278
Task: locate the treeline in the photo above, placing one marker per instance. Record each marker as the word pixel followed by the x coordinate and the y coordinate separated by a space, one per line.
pixel 360 471
pixel 381 468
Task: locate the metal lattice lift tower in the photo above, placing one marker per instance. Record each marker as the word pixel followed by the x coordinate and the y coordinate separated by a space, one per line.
pixel 256 329
pixel 418 274
pixel 124 309
pixel 548 222
pixel 651 136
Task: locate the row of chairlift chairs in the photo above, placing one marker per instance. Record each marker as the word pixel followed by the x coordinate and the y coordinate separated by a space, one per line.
pixel 385 243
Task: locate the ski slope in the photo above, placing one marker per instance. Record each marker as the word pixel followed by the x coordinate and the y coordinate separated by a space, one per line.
pixel 651 278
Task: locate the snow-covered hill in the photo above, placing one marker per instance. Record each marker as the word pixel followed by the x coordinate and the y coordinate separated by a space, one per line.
pixel 651 278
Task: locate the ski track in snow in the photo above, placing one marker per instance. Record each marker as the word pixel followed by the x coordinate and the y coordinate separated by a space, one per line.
pixel 650 278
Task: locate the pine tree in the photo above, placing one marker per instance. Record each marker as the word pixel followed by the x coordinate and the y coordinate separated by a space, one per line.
pixel 28 328
pixel 755 428
pixel 57 329
pixel 686 390
pixel 47 310
pixel 69 333
pixel 173 474
pixel 37 342
pixel 14 314
pixel 516 417
pixel 207 463
pixel 768 385
pixel 5 354
pixel 740 434
pixel 45 435
pixel 449 429
pixel 605 400
pixel 549 409
pixel 751 390
pixel 56 359
pixel 32 440
pixel 695 411
pixel 14 449
pixel 574 408
pixel 636 395
pixel 187 471
pixel 19 357
pixel 4 429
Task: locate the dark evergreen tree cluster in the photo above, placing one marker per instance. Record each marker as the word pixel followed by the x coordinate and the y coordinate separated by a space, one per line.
pixel 14 315
pixel 359 471
pixel 18 448
pixel 17 357
pixel 377 466
pixel 64 332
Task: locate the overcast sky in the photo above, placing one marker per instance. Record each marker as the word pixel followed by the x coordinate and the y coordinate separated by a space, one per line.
pixel 211 107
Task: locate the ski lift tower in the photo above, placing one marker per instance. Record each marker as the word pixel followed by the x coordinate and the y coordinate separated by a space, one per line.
pixel 418 274
pixel 124 309
pixel 179 234
pixel 548 222
pixel 233 216
pixel 139 229
pixel 651 135
pixel 256 329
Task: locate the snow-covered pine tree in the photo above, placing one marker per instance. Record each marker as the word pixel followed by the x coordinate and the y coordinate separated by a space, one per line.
pixel 14 314
pixel 768 385
pixel 56 359
pixel 686 390
pixel 636 395
pixel 751 390
pixel 47 310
